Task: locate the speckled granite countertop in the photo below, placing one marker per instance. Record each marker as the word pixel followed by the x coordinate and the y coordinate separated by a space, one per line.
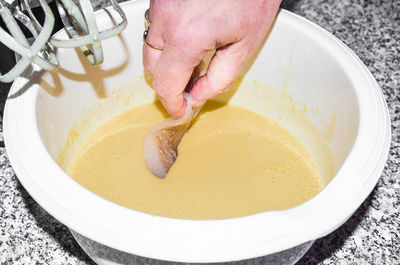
pixel 371 28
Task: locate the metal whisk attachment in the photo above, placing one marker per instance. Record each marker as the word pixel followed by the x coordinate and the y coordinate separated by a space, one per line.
pixel 80 25
pixel 39 52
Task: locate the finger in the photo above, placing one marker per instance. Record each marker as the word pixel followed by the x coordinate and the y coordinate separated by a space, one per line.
pixel 171 75
pixel 224 68
pixel 154 38
pixel 150 57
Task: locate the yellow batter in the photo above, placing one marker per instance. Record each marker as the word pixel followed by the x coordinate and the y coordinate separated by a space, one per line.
pixel 232 162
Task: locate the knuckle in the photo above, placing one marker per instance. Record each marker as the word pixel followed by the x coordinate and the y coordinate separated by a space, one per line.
pixel 162 90
pixel 215 91
pixel 184 35
pixel 218 86
pixel 189 37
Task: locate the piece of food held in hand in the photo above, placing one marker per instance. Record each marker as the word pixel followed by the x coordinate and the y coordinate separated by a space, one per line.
pixel 161 142
pixel 232 162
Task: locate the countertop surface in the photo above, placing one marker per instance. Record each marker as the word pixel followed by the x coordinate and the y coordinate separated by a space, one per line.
pixel 371 28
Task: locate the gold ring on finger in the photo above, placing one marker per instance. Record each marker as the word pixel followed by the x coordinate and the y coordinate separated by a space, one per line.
pixel 146 32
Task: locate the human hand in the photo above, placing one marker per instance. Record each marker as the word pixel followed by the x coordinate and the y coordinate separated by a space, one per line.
pixel 187 29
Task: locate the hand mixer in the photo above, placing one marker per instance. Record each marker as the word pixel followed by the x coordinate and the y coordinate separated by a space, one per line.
pixel 33 43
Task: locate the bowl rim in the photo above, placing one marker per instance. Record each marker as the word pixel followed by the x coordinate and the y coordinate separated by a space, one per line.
pixel 184 240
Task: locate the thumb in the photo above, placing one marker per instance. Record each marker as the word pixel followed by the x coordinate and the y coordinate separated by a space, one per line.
pixel 224 68
pixel 171 75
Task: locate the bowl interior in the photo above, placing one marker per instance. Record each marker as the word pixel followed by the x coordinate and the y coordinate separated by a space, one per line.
pixel 293 79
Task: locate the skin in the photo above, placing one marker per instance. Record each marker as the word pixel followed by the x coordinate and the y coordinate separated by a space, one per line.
pixel 187 29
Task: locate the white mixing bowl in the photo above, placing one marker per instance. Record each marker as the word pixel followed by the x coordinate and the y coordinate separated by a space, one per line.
pixel 299 59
